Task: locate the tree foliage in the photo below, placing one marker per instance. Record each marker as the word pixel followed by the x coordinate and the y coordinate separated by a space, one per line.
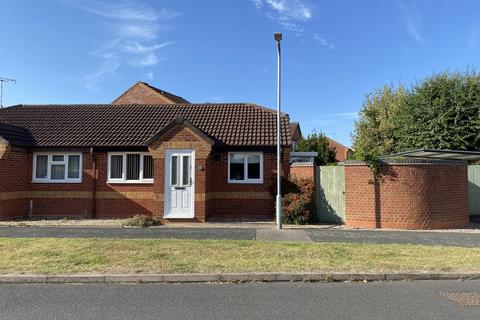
pixel 440 112
pixel 318 142
pixel 375 129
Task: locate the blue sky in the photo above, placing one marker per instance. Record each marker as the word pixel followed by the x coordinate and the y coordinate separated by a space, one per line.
pixel 334 52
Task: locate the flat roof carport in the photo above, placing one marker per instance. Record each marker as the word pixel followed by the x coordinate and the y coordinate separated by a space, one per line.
pixel 438 154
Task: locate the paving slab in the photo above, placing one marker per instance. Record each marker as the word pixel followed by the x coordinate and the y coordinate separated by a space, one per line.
pixel 283 235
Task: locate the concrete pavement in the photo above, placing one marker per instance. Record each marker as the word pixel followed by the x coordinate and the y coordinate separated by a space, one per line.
pixel 250 233
pixel 438 300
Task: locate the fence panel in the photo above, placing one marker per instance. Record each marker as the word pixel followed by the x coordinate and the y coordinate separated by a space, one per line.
pixel 330 194
pixel 474 189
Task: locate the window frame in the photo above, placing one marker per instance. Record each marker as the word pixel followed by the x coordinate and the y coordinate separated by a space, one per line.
pixel 180 170
pixel 246 180
pixel 50 162
pixel 124 168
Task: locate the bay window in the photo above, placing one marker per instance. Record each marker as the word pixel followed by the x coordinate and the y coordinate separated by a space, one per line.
pixel 245 167
pixel 57 167
pixel 130 167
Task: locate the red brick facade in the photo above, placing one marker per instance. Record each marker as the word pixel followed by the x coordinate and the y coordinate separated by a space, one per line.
pixel 302 171
pixel 14 173
pixel 407 196
pixel 142 93
pixel 95 197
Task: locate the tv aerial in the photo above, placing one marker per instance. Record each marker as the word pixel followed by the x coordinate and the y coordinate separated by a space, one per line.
pixel 2 80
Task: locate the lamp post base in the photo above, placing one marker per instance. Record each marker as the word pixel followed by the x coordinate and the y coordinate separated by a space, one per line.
pixel 278 211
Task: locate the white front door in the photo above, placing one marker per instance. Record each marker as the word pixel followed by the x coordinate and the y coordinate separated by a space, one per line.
pixel 179 184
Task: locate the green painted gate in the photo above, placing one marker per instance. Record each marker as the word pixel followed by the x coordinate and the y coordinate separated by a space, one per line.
pixel 474 189
pixel 330 194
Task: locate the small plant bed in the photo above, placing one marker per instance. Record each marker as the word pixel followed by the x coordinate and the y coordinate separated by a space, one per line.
pixel 77 256
pixel 141 221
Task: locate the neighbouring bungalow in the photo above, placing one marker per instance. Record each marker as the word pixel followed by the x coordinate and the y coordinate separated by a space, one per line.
pixel 174 160
pixel 342 152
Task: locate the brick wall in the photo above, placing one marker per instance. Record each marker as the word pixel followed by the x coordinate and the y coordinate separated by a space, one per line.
pixel 250 201
pixel 302 171
pixel 15 180
pixel 142 94
pixel 408 196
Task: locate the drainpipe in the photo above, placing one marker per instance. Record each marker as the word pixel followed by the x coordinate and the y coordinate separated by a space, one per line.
pixel 94 181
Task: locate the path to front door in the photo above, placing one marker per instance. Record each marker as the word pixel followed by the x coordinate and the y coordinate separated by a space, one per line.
pixel 179 184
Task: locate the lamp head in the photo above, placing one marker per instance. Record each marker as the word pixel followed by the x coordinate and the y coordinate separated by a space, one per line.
pixel 277 36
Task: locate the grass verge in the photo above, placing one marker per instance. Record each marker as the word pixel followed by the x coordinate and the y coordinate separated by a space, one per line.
pixel 75 256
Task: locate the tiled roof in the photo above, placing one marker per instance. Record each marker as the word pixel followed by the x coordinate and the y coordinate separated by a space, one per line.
pixel 134 125
pixel 294 126
pixel 16 136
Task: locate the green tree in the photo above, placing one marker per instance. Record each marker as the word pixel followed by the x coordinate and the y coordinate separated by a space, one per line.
pixel 318 142
pixel 374 133
pixel 441 112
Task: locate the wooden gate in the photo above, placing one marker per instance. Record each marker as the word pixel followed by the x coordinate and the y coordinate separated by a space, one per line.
pixel 330 194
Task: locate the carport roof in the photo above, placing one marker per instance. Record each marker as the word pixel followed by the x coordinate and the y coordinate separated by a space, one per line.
pixel 439 154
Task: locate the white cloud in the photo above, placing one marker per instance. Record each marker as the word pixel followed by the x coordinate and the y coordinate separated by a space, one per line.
pixel 412 21
pixel 258 3
pixel 150 75
pixel 324 42
pixel 137 48
pixel 290 14
pixel 337 115
pixel 134 28
pixel 149 60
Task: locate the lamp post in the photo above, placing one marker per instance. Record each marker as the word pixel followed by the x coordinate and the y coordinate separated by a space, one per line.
pixel 278 211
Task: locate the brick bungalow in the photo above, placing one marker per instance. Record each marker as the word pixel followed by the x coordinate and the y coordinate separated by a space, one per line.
pixel 173 161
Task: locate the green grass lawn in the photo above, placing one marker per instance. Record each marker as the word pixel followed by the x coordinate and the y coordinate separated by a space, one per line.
pixel 61 256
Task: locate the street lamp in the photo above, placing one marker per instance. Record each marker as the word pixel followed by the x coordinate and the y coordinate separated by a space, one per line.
pixel 278 212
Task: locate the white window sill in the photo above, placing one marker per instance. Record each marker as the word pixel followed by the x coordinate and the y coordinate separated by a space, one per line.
pixel 57 181
pixel 130 182
pixel 245 181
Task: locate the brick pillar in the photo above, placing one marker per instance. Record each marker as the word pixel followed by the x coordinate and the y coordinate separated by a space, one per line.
pixel 158 187
pixel 200 189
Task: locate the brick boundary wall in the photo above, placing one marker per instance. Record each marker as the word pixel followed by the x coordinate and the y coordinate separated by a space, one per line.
pixel 302 171
pixel 409 195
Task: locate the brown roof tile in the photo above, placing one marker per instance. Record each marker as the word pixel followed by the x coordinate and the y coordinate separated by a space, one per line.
pixel 133 125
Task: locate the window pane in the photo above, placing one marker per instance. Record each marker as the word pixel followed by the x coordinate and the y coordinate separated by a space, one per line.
pixel 116 167
pixel 253 167
pixel 174 171
pixel 57 158
pixel 186 171
pixel 147 167
pixel 73 167
pixel 133 167
pixel 237 166
pixel 58 172
pixel 41 169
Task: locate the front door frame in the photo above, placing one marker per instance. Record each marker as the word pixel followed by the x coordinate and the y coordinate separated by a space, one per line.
pixel 167 188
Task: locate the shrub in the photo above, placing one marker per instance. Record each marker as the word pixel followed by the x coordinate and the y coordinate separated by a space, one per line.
pixel 141 221
pixel 298 201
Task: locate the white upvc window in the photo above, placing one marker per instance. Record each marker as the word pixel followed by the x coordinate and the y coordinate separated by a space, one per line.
pixel 245 167
pixel 130 167
pixel 57 167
